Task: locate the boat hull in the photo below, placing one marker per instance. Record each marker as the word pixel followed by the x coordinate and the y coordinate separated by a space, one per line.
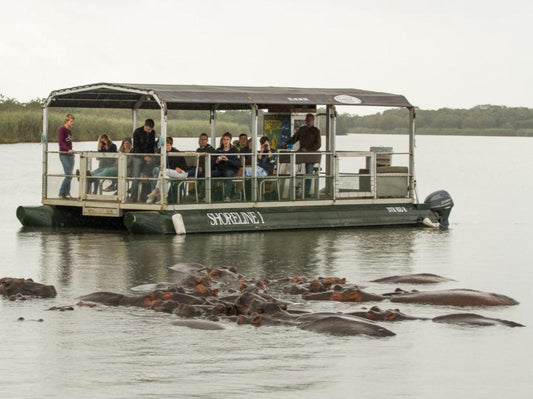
pixel 233 219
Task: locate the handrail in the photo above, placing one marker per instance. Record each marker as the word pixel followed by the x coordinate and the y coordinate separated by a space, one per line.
pixel 338 184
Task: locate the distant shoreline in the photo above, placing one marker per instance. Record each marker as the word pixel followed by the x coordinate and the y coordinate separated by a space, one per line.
pixel 447 132
pixel 418 133
pixel 22 123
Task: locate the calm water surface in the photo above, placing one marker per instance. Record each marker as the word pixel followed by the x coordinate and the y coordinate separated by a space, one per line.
pixel 134 353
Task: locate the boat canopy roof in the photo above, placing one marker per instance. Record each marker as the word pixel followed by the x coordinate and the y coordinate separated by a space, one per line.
pixel 195 97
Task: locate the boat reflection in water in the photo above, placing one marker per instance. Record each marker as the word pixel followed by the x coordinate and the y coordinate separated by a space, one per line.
pixel 83 262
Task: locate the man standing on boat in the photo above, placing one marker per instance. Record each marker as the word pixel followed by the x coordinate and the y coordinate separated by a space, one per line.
pixel 309 138
pixel 143 143
pixel 66 155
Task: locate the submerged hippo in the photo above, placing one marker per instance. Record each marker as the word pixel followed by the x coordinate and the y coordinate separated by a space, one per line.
pixel 199 324
pixel 420 278
pixel 472 319
pixel 345 326
pixel 351 294
pixel 377 314
pixel 10 287
pixel 455 297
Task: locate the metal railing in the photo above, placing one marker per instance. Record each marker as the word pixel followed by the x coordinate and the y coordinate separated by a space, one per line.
pixel 127 178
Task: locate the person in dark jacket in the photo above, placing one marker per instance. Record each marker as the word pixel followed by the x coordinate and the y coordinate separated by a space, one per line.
pixel 204 146
pixel 143 143
pixel 309 138
pixel 266 160
pixel 226 164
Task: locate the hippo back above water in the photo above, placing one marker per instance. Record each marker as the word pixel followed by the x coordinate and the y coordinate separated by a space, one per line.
pixel 455 297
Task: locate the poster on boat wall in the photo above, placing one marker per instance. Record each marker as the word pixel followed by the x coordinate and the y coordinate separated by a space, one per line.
pixel 279 127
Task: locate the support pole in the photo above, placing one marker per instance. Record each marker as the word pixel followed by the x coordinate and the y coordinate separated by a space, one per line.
pixel 331 132
pixel 162 141
pixel 255 121
pixel 44 140
pixel 412 179
pixel 135 117
pixel 213 123
pixel 208 181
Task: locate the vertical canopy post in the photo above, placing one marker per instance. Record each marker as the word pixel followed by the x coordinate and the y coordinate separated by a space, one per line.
pixel 213 124
pixel 331 131
pixel 44 140
pixel 255 120
pixel 412 180
pixel 163 144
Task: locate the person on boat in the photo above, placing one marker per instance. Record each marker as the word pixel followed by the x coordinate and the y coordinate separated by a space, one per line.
pixel 66 155
pixel 204 146
pixel 242 143
pixel 143 143
pixel 226 164
pixel 244 148
pixel 104 145
pixel 266 160
pixel 112 171
pixel 175 169
pixel 309 138
pixel 126 145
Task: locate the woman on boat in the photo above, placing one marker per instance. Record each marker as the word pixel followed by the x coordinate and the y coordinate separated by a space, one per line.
pixel 112 171
pixel 104 145
pixel 225 165
pixel 66 155
pixel 125 148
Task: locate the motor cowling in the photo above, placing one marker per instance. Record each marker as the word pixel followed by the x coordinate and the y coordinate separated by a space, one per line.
pixel 441 203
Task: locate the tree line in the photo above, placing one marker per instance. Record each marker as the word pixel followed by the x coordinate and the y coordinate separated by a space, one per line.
pixel 22 122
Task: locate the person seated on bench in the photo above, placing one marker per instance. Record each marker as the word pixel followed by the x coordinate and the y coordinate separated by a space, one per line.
pixel 266 160
pixel 226 164
pixel 204 146
pixel 112 171
pixel 309 138
pixel 175 169
pixel 104 145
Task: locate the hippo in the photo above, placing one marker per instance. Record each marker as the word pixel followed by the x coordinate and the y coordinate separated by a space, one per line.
pixel 103 297
pixel 198 324
pixel 258 320
pixel 351 294
pixel 61 308
pixel 472 319
pixel 23 319
pixel 301 285
pixel 187 267
pixel 345 326
pixel 114 299
pixel 420 278
pixel 25 287
pixel 189 311
pixel 455 297
pixel 162 286
pixel 375 313
pixel 224 274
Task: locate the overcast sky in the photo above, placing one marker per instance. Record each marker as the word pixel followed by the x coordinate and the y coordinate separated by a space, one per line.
pixel 452 53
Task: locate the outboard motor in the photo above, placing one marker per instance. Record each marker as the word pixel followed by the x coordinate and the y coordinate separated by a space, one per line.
pixel 441 203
